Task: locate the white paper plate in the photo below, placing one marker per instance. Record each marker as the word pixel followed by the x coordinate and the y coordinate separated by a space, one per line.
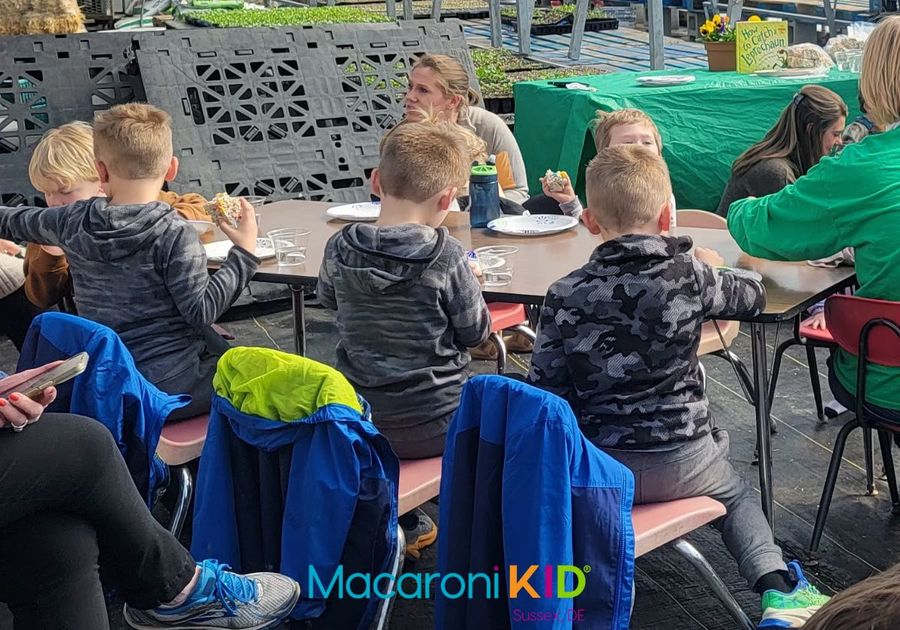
pixel 533 224
pixel 218 251
pixel 365 211
pixel 793 73
pixel 202 227
pixel 670 79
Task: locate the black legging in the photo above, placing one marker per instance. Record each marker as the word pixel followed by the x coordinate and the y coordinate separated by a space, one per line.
pixel 16 313
pixel 68 509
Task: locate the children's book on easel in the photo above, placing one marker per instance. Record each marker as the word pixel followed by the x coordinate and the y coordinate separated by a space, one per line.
pixel 761 45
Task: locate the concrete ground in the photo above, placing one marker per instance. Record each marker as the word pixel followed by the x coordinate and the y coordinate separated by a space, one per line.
pixel 860 538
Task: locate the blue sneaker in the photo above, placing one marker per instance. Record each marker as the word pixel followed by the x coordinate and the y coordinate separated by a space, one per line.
pixel 223 599
pixel 791 610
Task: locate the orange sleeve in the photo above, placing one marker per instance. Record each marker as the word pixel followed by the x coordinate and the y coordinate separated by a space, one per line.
pixel 47 279
pixel 505 176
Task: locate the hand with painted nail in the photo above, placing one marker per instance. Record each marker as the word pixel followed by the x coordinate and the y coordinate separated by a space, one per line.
pixel 17 410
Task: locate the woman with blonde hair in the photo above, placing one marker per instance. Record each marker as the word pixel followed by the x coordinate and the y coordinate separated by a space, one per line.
pixel 852 200
pixel 439 87
pixel 809 128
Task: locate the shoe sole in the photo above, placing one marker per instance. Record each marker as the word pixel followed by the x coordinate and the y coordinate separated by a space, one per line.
pixel 414 550
pixel 281 614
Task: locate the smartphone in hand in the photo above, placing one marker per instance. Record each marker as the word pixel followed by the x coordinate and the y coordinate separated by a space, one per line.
pixel 65 371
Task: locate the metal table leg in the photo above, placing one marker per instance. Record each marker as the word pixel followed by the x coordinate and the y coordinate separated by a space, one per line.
pixel 763 437
pixel 297 307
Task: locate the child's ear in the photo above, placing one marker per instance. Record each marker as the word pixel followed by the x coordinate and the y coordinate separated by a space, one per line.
pixel 376 183
pixel 446 198
pixel 173 169
pixel 665 217
pixel 590 222
pixel 103 172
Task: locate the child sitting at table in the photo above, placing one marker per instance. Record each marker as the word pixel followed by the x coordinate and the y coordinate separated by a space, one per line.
pixel 618 339
pixel 408 303
pixel 619 127
pixel 136 266
pixel 62 169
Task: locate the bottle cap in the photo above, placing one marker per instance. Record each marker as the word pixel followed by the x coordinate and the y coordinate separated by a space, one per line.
pixel 484 169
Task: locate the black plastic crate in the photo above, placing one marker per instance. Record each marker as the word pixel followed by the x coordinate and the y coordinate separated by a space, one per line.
pixel 500 105
pixel 49 80
pixel 565 25
pixel 290 111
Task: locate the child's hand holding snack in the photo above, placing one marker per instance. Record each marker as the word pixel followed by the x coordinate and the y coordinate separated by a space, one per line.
pixel 558 186
pixel 709 256
pixel 240 225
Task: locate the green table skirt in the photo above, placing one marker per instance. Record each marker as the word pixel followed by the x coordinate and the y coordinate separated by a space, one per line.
pixel 705 125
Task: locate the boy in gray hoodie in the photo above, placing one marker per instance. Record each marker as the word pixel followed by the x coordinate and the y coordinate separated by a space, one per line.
pixel 408 303
pixel 136 265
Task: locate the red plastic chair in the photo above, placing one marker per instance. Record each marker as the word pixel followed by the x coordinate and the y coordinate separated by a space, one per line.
pixel 870 330
pixel 505 316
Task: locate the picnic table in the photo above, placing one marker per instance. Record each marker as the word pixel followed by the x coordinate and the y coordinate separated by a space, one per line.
pixel 705 125
pixel 791 287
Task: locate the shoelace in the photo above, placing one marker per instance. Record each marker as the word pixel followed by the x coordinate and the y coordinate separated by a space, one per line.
pixel 231 589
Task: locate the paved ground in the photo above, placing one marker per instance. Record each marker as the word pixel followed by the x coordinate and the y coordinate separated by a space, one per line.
pixel 861 536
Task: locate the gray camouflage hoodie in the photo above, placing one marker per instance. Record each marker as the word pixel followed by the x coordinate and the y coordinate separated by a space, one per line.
pixel 408 307
pixel 141 270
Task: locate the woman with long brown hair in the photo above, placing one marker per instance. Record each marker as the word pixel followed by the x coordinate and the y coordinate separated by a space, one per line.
pixel 852 200
pixel 439 88
pixel 808 129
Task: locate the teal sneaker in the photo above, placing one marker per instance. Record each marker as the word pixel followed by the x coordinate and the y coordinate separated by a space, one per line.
pixel 791 610
pixel 224 600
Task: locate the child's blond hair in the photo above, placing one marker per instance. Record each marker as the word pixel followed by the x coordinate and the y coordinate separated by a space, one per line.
pixel 63 158
pixel 606 121
pixel 134 140
pixel 626 187
pixel 420 159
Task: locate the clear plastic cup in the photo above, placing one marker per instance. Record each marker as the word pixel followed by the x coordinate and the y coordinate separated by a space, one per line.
pixel 841 60
pixel 290 245
pixel 854 60
pixel 257 201
pixel 497 263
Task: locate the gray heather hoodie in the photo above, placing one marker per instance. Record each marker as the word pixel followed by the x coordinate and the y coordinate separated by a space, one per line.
pixel 408 307
pixel 141 270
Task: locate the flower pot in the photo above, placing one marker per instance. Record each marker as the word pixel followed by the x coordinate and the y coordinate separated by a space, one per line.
pixel 721 56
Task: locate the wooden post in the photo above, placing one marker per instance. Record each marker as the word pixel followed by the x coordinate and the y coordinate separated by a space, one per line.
pixel 655 29
pixel 581 11
pixel 496 35
pixel 524 16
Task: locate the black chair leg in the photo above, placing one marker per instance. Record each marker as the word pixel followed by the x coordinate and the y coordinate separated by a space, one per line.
pixel 814 380
pixel 887 457
pixel 869 452
pixel 830 481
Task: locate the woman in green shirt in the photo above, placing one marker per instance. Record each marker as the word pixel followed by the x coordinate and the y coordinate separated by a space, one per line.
pixel 852 200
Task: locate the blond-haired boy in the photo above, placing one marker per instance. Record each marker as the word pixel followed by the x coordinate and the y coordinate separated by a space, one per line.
pixel 136 266
pixel 408 305
pixel 618 339
pixel 62 169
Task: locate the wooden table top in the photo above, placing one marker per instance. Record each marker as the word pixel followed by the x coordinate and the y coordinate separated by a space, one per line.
pixel 541 261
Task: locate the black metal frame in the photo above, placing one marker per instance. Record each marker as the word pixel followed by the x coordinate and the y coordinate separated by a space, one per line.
pixel 811 345
pixel 868 424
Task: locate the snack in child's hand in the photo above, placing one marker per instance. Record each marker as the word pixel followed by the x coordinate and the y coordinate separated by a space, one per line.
pixel 224 207
pixel 556 181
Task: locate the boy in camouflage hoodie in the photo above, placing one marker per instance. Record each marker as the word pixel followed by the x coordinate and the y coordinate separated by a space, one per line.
pixel 618 339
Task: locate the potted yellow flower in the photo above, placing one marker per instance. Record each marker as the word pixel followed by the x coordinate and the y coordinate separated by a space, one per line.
pixel 719 38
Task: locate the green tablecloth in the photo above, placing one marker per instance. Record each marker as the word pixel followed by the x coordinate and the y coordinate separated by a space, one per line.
pixel 705 125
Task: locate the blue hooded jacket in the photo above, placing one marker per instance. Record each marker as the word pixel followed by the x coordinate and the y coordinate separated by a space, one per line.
pixel 110 390
pixel 294 494
pixel 521 486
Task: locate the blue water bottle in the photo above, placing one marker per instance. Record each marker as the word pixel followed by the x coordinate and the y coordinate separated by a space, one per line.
pixel 484 194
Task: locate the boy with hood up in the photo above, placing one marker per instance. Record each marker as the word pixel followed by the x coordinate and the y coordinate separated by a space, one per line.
pixel 408 303
pixel 136 265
